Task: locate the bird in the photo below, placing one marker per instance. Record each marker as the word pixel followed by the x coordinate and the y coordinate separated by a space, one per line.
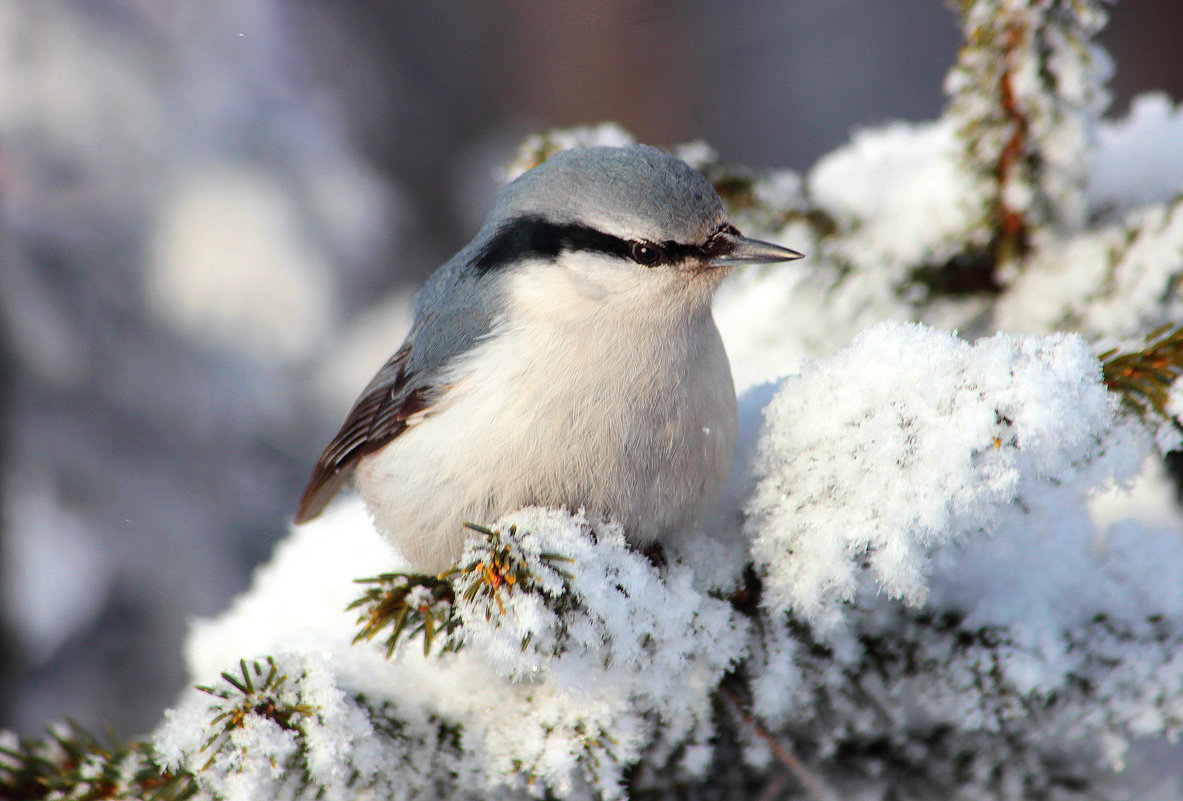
pixel 566 357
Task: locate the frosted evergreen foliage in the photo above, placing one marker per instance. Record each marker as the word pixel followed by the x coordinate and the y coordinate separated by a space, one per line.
pixel 342 747
pixel 947 561
pixel 1118 280
pixel 557 684
pixel 1026 92
pixel 940 437
pixel 605 611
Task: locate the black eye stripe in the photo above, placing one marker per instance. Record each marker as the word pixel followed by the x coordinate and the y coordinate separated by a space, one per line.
pixel 535 237
pixel 676 252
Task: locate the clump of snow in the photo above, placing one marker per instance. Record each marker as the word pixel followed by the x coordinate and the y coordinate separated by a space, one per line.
pixel 620 618
pixel 1139 158
pixel 901 192
pixel 1059 631
pixel 333 745
pixel 1118 280
pixel 906 439
pixel 614 629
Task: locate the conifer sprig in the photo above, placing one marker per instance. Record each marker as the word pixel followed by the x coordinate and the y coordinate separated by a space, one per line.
pixel 406 603
pixel 71 764
pixel 1144 377
pixel 1026 90
pixel 502 568
pixel 260 695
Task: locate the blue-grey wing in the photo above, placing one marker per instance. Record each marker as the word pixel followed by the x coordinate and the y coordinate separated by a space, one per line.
pixel 407 385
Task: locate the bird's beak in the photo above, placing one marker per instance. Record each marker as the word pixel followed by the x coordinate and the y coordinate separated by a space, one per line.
pixel 730 247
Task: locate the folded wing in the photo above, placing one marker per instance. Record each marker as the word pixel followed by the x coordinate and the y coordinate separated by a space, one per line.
pixel 382 412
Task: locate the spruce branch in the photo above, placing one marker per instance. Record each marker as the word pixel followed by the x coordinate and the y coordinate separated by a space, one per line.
pixel 259 696
pixel 1024 117
pixel 1011 228
pixel 1144 377
pixel 75 765
pixel 502 568
pixel 71 764
pixel 407 603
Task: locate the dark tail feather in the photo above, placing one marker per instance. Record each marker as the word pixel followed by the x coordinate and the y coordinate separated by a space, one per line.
pixel 322 488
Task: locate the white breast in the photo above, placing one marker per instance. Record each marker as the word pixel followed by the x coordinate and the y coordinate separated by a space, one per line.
pixel 571 403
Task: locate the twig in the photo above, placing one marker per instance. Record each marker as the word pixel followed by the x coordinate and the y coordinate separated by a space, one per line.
pixel 1011 235
pixel 774 788
pixel 815 786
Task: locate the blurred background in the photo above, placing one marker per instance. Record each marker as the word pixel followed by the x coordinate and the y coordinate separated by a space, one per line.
pixel 212 214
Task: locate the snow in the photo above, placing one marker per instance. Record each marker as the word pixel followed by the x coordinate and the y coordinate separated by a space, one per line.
pixel 900 187
pixel 952 475
pixel 633 643
pixel 1115 281
pixel 937 437
pixel 1139 158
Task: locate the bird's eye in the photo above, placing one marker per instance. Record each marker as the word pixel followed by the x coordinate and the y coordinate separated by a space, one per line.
pixel 644 253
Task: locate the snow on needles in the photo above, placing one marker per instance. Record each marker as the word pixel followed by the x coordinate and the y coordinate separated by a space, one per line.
pixel 906 439
pixel 622 620
pixel 550 703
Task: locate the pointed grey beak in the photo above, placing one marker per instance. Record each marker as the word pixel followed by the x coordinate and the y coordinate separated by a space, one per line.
pixel 730 247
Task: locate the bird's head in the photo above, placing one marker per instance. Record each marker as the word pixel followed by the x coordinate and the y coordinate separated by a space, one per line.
pixel 620 226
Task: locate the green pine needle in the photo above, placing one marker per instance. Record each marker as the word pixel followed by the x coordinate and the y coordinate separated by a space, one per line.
pixel 251 700
pixel 502 568
pixel 406 604
pixel 1144 377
